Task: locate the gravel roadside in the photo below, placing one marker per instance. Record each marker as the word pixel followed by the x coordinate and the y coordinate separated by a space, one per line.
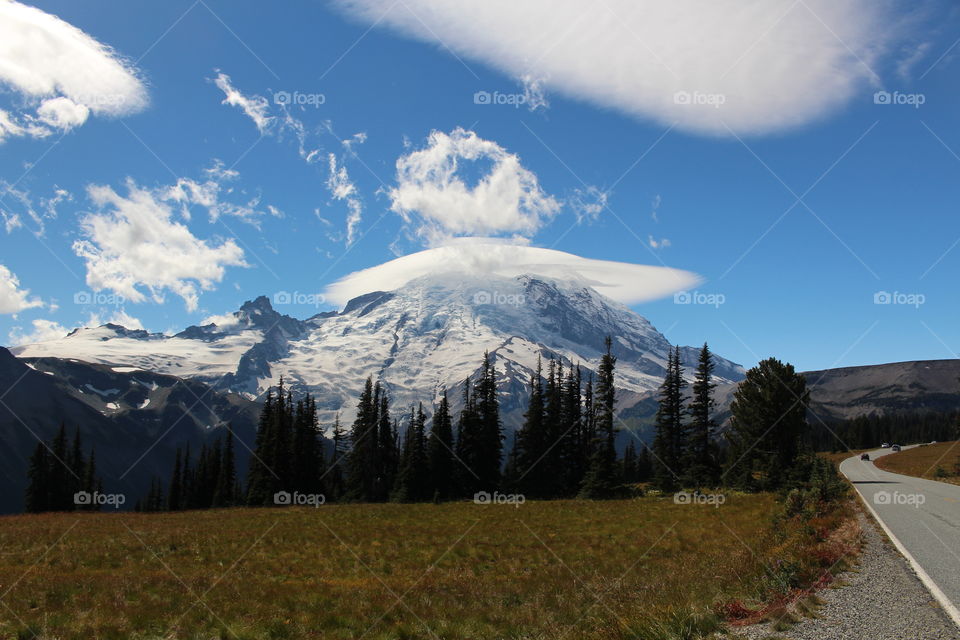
pixel 883 600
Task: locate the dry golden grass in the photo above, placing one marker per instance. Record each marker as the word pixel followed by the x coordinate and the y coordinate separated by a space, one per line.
pixel 924 460
pixel 840 456
pixel 564 569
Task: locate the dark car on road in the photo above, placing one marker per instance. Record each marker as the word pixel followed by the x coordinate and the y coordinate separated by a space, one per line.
pixel 895 448
pixel 864 456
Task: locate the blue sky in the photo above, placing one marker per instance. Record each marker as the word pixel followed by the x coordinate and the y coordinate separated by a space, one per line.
pixel 799 210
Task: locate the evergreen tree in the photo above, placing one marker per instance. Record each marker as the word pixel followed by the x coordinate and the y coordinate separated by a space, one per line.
pixel 629 464
pixel 768 426
pixel 60 474
pixel 440 460
pixel 337 474
pixel 413 480
pixel 91 482
pixel 362 473
pixel 490 431
pixel 224 494
pixel 467 447
pixel 701 468
pixel 602 480
pixel 38 480
pixel 261 483
pixel 387 454
pixel 670 438
pixel 644 464
pixel 531 441
pixel 175 491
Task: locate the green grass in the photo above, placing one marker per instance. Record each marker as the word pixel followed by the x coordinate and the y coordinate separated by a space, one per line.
pixel 645 568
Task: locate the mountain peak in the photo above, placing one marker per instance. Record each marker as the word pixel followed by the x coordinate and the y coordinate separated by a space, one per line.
pixel 261 304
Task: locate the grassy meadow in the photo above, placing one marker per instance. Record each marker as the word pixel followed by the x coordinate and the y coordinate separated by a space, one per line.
pixel 940 461
pixel 561 569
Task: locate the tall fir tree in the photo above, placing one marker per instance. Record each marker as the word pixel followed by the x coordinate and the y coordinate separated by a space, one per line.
pixel 701 467
pixel 338 457
pixel 531 441
pixel 490 430
pixel 413 479
pixel 670 438
pixel 175 490
pixel 361 477
pixel 38 480
pixel 602 479
pixel 440 460
pixel 224 493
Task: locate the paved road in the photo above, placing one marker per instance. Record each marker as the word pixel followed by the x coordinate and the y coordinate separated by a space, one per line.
pixel 923 517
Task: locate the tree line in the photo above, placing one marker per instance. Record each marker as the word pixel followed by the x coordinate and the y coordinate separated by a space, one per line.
pixel 59 474
pixel 564 448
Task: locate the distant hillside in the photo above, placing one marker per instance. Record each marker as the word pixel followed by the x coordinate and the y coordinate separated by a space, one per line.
pixel 847 392
pixel 135 419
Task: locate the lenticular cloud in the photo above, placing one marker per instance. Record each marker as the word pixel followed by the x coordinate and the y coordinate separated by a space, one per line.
pixel 620 281
pixel 709 66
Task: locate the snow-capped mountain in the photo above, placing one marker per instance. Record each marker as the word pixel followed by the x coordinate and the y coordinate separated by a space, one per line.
pixel 419 339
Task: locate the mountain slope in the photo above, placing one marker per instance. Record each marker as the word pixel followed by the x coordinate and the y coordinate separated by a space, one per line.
pixel 424 337
pixel 135 419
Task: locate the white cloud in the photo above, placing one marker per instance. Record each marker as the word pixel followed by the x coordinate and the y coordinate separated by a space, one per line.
pixel 534 95
pixel 13 299
pixel 777 63
pixel 222 321
pixel 662 243
pixel 45 209
pixel 626 283
pixel 655 207
pixel 342 188
pixel 61 72
pixel 62 113
pixel 43 330
pixel 356 139
pixel 208 193
pixel 433 190
pixel 134 242
pixel 255 107
pixel 588 203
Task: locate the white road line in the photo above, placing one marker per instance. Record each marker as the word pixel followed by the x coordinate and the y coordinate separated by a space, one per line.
pixel 950 609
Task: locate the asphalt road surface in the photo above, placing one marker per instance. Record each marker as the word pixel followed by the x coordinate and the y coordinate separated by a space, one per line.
pixel 922 518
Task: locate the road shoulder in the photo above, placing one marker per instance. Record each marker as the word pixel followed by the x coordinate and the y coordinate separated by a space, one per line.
pixel 882 599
